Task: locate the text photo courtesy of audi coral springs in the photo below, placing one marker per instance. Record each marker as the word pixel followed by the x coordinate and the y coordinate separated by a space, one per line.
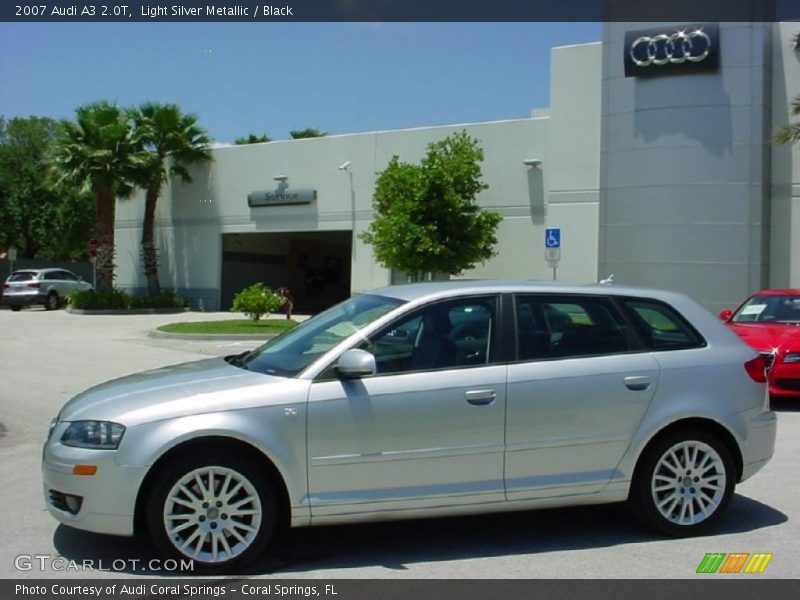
pixel 422 400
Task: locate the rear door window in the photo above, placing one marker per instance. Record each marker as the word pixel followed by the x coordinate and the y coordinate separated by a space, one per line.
pixel 569 326
pixel 662 327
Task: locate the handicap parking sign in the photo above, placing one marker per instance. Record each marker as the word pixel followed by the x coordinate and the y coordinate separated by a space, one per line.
pixel 552 237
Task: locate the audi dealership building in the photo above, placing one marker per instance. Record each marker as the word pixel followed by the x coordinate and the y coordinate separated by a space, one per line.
pixel 654 159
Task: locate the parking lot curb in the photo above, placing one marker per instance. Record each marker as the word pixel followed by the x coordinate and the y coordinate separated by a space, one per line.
pixel 155 333
pixel 136 311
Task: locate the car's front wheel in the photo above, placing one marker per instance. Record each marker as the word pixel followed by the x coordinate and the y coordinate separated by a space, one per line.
pixel 684 482
pixel 216 509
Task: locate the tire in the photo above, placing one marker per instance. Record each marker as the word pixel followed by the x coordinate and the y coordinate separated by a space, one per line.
pixel 683 482
pixel 16 307
pixel 52 302
pixel 204 528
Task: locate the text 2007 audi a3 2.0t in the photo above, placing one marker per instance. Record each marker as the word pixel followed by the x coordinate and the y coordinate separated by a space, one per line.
pixel 418 401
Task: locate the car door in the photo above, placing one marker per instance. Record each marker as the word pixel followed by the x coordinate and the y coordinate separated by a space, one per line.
pixel 427 429
pixel 576 394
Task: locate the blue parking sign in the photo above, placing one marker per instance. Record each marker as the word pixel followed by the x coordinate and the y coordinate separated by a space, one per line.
pixel 552 237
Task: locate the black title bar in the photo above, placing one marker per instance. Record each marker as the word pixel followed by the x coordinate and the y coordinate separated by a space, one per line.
pixel 397 10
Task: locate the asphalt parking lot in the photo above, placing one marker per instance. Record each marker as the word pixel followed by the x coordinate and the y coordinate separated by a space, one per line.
pixel 47 357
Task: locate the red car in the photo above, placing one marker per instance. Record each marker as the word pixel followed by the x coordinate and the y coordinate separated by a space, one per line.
pixel 769 321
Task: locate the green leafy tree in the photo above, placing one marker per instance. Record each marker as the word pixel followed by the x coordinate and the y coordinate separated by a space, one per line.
pixel 427 219
pixel 257 300
pixel 173 141
pixel 37 217
pixel 309 132
pixel 100 153
pixel 252 139
pixel 790 132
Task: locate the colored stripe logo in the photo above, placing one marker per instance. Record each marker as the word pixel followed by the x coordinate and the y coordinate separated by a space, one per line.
pixel 733 563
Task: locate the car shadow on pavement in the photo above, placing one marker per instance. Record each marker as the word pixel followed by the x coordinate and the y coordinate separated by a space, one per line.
pixel 394 545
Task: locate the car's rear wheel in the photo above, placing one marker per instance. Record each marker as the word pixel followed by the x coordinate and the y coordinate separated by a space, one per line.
pixel 52 301
pixel 16 307
pixel 684 482
pixel 213 508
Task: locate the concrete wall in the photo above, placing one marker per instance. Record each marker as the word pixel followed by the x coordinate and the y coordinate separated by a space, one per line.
pixel 785 189
pixel 563 192
pixel 685 170
pixel 573 158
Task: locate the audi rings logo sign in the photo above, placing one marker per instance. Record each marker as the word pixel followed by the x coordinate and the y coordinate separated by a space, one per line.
pixel 682 49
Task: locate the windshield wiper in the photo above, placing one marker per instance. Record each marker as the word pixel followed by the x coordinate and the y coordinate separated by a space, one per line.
pixel 237 360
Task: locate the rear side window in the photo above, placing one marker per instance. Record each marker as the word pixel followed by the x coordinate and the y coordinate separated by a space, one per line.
pixel 22 276
pixel 563 327
pixel 661 327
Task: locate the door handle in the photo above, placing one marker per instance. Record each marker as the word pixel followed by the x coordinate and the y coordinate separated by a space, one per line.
pixel 480 397
pixel 637 383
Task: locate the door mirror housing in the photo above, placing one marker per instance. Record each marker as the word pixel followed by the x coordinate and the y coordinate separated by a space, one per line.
pixel 355 364
pixel 725 314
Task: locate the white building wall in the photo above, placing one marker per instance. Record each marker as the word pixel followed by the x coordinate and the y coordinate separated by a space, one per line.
pixel 573 158
pixel 785 189
pixel 192 218
pixel 684 170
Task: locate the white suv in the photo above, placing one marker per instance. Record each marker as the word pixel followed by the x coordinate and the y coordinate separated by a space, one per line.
pixel 48 287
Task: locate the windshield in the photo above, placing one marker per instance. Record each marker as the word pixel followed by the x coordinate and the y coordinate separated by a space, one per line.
pixel 769 310
pixel 293 351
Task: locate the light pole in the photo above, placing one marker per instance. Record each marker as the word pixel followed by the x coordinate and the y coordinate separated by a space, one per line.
pixel 345 166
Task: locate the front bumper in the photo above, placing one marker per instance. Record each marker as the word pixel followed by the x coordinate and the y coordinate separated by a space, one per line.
pixel 784 379
pixel 108 498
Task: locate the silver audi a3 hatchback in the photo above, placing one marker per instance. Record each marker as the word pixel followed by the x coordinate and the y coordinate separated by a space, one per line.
pixel 419 401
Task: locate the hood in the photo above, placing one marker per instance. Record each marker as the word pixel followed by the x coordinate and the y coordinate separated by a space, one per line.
pixel 766 338
pixel 178 390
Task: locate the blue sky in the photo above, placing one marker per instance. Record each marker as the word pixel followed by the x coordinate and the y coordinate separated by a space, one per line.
pixel 245 78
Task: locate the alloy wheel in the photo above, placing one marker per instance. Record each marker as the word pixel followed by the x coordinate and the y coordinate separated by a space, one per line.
pixel 212 514
pixel 688 483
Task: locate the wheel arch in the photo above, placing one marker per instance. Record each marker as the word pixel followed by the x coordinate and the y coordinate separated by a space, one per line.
pixel 703 423
pixel 215 442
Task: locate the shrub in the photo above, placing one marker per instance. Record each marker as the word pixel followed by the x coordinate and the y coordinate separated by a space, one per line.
pixel 115 299
pixel 162 300
pixel 256 300
pixel 112 299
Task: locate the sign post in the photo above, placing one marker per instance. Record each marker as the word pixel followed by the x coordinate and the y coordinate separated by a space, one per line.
pixel 552 248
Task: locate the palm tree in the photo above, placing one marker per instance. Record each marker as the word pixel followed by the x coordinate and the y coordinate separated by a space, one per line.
pixel 308 132
pixel 253 138
pixel 790 133
pixel 99 152
pixel 173 141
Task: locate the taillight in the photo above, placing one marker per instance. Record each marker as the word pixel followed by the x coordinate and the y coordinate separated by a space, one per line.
pixel 6 286
pixel 34 285
pixel 757 369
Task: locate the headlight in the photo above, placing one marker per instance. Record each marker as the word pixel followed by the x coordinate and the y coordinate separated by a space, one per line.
pixel 791 357
pixel 101 435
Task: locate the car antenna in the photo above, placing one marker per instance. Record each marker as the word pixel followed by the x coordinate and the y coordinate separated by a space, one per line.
pixel 608 280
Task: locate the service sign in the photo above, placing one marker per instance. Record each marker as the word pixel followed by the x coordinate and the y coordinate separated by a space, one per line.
pixel 672 50
pixel 280 197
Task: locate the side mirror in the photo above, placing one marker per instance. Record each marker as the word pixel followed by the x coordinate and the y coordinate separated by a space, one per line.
pixel 354 364
pixel 725 314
